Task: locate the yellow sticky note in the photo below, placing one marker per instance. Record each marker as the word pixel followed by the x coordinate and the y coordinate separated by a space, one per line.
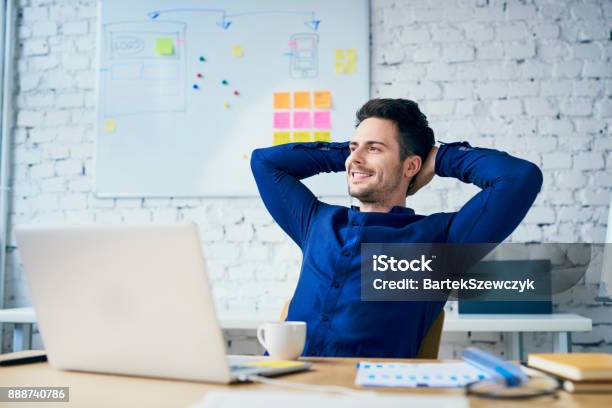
pixel 340 67
pixel 301 100
pixel 110 125
pixel 339 54
pixel 275 363
pixel 237 51
pixel 281 138
pixel 322 136
pixel 350 54
pixel 282 100
pixel 350 67
pixel 164 46
pixel 322 99
pixel 301 136
pixel 226 105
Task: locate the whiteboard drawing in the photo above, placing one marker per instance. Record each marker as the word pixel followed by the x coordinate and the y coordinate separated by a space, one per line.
pixel 304 55
pixel 137 78
pixel 187 90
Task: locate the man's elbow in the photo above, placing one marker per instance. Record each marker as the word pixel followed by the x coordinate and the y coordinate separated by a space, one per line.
pixel 531 179
pixel 256 159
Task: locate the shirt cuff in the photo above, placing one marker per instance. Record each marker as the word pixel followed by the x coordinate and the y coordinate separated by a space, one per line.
pixel 447 152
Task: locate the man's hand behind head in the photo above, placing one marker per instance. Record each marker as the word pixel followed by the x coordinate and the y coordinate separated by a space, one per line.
pixel 426 174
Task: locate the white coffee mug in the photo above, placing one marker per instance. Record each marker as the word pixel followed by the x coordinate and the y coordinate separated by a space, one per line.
pixel 282 340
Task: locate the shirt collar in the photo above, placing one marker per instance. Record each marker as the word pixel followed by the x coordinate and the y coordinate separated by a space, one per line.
pixel 395 210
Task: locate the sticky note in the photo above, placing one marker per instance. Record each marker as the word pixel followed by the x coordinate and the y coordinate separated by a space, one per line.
pixel 339 67
pixel 282 100
pixel 275 363
pixel 226 105
pixel 301 136
pixel 350 54
pixel 281 120
pixel 110 125
pixel 339 54
pixel 322 136
pixel 301 120
pixel 350 67
pixel 237 51
pixel 322 120
pixel 301 100
pixel 281 138
pixel 322 99
pixel 164 46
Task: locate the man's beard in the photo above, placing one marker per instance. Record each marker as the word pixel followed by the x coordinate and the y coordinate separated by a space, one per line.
pixel 378 194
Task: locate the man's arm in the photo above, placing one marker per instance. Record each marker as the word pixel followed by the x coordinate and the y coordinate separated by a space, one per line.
pixel 277 171
pixel 509 187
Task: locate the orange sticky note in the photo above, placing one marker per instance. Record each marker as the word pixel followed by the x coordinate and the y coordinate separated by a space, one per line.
pixel 322 99
pixel 281 138
pixel 322 136
pixel 301 100
pixel 301 136
pixel 282 100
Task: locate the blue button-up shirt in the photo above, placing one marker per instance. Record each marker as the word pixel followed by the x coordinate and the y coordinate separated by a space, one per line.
pixel 327 296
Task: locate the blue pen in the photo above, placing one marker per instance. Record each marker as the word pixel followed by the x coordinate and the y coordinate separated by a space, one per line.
pixel 511 374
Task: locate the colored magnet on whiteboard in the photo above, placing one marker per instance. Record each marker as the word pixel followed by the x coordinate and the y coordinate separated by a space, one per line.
pixel 236 93
pixel 224 82
pixel 164 46
pixel 226 105
pixel 202 59
pixel 110 125
pixel 196 86
pixel 237 51
pixel 199 75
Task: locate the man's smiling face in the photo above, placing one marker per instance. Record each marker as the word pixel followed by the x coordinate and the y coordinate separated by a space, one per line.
pixel 374 169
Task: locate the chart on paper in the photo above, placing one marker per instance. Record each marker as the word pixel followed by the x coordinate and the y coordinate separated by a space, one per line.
pixel 187 89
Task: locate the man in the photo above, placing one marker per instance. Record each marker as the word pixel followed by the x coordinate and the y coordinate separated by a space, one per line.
pixel 391 155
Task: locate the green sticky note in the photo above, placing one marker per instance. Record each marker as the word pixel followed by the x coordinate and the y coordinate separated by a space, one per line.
pixel 164 46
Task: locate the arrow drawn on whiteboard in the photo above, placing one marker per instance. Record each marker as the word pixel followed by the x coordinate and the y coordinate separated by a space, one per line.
pixel 225 23
pixel 313 23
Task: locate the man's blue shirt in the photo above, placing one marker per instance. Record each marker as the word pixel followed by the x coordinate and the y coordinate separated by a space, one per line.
pixel 328 291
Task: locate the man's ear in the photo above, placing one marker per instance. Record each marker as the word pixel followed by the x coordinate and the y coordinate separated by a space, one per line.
pixel 412 165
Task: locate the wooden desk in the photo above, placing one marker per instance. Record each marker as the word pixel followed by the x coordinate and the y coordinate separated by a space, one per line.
pixel 97 390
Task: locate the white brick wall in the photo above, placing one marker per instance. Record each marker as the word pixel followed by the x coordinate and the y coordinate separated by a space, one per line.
pixel 532 77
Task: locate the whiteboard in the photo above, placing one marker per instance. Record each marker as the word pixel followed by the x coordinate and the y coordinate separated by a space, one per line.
pixel 186 89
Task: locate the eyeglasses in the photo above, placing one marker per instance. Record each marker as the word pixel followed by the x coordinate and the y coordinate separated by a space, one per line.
pixel 538 385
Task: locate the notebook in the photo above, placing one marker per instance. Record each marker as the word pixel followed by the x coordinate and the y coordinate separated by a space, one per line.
pixel 270 399
pixel 588 386
pixel 574 366
pixel 456 374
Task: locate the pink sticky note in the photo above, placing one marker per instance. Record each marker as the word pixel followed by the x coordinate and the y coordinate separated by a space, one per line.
pixel 322 120
pixel 301 120
pixel 281 120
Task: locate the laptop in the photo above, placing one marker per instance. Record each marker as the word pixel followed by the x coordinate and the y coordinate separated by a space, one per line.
pixel 133 300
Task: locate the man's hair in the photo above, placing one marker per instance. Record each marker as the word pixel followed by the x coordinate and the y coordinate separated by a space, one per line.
pixel 414 134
